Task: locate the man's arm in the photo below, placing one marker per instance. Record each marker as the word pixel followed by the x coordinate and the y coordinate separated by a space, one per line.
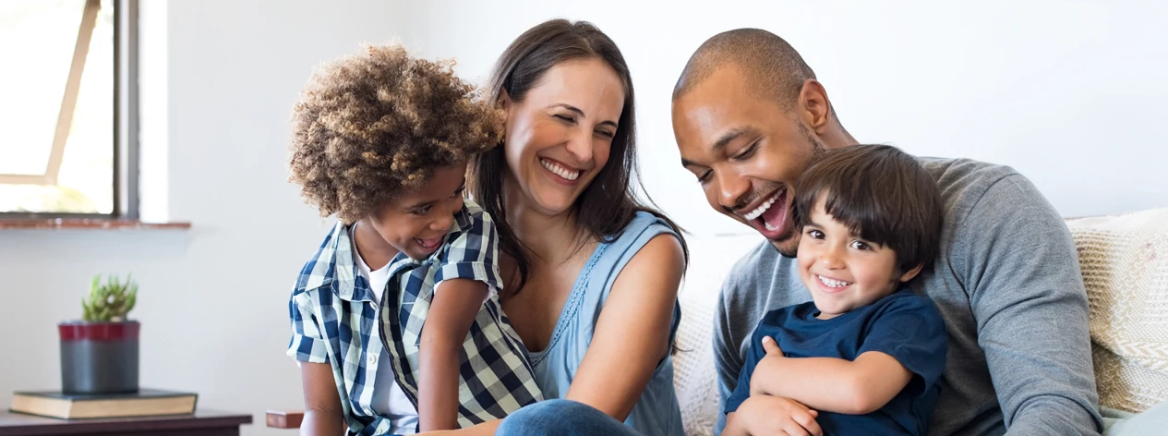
pixel 455 304
pixel 833 385
pixel 1019 266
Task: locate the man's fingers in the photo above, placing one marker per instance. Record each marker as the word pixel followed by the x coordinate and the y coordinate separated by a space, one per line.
pixel 770 346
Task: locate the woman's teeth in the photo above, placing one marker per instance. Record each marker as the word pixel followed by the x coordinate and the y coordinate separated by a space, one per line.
pixel 559 170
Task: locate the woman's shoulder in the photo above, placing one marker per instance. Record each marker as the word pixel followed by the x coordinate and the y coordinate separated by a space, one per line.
pixel 639 239
pixel 643 227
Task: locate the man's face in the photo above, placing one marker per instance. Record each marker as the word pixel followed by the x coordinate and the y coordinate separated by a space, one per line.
pixel 746 151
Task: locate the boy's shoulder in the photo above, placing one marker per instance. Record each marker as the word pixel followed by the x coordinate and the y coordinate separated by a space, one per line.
pixel 321 269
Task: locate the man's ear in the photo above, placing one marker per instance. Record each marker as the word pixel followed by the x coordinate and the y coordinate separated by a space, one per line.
pixel 908 275
pixel 814 107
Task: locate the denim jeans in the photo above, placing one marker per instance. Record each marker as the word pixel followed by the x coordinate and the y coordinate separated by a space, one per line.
pixel 562 418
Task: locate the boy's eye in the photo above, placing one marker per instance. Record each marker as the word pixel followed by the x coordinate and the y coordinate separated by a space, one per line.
pixel 815 234
pixel 421 210
pixel 459 192
pixel 861 245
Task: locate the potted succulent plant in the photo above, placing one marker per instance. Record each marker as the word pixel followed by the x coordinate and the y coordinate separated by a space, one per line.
pixel 99 354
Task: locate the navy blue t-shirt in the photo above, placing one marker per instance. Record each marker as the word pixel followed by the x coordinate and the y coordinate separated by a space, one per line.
pixel 903 325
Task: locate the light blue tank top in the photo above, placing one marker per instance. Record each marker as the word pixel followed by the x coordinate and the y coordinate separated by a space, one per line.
pixel 656 412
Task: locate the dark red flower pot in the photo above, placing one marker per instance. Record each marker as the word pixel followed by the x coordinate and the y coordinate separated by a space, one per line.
pixel 99 357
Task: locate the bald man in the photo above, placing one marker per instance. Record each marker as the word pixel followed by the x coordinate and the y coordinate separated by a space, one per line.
pixel 749 116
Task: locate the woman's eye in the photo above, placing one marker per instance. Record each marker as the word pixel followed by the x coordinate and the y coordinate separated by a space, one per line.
pixel 605 134
pixel 565 118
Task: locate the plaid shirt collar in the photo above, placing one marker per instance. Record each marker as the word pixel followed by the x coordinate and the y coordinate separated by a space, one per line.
pixel 344 275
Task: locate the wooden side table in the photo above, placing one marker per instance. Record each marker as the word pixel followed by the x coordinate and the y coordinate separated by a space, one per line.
pixel 201 423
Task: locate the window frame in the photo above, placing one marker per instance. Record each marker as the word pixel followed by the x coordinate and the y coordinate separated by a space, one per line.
pixel 125 119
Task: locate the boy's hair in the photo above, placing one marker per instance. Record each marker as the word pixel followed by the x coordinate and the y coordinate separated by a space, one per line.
pixel 882 194
pixel 371 125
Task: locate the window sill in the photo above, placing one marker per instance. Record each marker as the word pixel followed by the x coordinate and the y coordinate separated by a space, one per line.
pixel 87 224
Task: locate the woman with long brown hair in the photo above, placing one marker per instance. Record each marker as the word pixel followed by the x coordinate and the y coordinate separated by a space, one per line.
pixel 591 272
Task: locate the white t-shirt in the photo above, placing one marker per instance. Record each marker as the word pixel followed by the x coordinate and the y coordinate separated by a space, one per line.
pixel 388 398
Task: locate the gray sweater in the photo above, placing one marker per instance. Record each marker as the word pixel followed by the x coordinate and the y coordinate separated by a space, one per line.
pixel 1008 285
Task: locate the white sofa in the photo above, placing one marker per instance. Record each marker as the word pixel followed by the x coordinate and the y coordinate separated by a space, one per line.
pixel 1124 260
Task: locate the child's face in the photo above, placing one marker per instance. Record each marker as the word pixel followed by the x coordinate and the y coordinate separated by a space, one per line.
pixel 843 271
pixel 416 222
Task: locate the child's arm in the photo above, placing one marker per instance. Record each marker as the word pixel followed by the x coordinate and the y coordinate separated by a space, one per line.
pixel 454 307
pixel 322 404
pixel 833 385
pixel 765 415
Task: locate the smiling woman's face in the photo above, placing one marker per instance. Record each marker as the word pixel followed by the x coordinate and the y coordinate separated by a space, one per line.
pixel 560 135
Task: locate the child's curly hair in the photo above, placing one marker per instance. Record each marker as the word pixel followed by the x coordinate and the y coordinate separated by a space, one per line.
pixel 370 124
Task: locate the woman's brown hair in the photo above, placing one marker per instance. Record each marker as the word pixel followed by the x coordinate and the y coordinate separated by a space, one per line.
pixel 608 204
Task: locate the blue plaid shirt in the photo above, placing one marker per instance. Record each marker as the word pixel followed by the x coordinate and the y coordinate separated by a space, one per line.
pixel 334 314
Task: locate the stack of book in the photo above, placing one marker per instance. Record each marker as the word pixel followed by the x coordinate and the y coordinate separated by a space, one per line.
pixel 145 402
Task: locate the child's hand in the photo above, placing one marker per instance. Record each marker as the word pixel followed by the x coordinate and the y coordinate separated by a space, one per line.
pixel 773 352
pixel 766 415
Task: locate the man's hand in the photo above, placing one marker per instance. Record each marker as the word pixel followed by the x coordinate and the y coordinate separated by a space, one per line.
pixel 776 416
pixel 773 352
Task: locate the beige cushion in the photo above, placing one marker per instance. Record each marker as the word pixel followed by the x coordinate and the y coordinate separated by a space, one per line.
pixel 1124 261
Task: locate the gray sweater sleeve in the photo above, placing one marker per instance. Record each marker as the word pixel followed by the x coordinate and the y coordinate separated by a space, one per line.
pixel 727 360
pixel 1026 294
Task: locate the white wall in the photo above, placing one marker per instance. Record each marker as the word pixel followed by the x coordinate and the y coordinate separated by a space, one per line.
pixel 1070 93
pixel 213 300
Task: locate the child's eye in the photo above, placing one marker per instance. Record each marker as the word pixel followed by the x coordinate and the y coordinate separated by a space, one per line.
pixel 861 245
pixel 815 234
pixel 421 210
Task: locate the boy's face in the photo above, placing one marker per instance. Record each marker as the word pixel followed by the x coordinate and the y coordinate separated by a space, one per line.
pixel 416 222
pixel 843 271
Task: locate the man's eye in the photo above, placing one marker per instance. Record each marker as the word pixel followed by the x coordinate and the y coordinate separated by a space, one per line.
pixel 705 177
pixel 746 154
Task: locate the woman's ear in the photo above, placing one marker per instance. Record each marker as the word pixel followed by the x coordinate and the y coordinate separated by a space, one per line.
pixel 504 101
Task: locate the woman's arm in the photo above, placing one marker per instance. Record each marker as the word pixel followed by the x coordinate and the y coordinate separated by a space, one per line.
pixel 631 337
pixel 455 305
pixel 632 333
pixel 322 403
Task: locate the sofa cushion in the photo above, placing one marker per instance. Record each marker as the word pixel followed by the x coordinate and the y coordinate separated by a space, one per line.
pixel 1124 262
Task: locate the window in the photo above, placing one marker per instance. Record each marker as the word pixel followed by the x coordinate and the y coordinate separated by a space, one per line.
pixel 60 154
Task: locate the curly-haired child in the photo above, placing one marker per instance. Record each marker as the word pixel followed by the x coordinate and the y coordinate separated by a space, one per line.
pixel 381 140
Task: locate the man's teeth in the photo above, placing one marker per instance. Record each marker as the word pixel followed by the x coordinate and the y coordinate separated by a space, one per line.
pixel 762 208
pixel 559 170
pixel 832 283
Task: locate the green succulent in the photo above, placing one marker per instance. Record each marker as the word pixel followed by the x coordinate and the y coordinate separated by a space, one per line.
pixel 109 302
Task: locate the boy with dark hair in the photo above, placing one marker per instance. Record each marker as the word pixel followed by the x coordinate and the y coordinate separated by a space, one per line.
pixel 865 355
